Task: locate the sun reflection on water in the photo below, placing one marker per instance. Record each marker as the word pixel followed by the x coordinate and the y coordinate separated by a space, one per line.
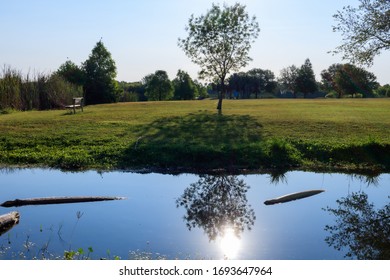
pixel 230 243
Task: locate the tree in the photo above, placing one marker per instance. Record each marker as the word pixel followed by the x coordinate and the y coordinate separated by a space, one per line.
pixel 72 73
pixel 261 80
pixel 348 79
pixel 201 89
pixel 131 92
pixel 254 81
pixel 100 72
pixel 365 30
pixel 328 82
pixel 352 79
pixel 219 42
pixel 287 79
pixel 305 81
pixel 184 86
pixel 383 91
pixel 158 86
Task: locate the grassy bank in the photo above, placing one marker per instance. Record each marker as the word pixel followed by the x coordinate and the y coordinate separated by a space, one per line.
pixel 251 134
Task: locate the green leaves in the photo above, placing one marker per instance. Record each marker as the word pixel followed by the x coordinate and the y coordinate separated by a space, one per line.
pixel 158 86
pixel 100 70
pixel 365 30
pixel 219 41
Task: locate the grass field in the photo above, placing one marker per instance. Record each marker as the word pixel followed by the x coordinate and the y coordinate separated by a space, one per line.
pixel 347 134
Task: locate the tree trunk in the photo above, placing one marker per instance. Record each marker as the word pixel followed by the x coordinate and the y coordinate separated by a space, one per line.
pixel 219 106
pixel 220 96
pixel 56 200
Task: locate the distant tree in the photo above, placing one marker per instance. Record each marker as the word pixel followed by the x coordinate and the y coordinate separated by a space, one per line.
pixel 72 73
pixel 348 79
pixel 365 30
pixel 184 87
pixel 383 91
pixel 254 81
pixel 287 79
pixel 352 79
pixel 328 82
pixel 219 42
pixel 261 80
pixel 305 81
pixel 158 86
pixel 100 72
pixel 130 92
pixel 240 82
pixel 201 90
pixel 139 88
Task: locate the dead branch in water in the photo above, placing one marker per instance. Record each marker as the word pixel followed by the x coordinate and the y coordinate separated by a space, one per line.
pixel 293 196
pixel 56 200
pixel 7 221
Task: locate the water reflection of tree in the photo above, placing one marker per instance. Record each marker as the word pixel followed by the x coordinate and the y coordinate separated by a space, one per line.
pixel 361 229
pixel 278 176
pixel 216 202
pixel 369 179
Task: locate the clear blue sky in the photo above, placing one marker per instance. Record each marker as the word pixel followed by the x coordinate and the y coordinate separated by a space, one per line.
pixel 39 35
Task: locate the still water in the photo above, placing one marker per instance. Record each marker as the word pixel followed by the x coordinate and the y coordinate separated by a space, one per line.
pixel 188 216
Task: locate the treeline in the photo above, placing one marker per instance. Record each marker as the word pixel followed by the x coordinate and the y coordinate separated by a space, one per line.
pixel 338 81
pixel 157 87
pixel 95 80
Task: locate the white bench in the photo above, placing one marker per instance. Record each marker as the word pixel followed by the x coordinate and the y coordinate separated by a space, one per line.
pixel 77 103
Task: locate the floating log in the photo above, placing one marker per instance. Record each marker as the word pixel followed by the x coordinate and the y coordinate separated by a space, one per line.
pixel 292 196
pixel 56 200
pixel 7 221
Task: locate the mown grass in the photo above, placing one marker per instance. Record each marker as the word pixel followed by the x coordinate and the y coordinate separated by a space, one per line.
pixel 250 134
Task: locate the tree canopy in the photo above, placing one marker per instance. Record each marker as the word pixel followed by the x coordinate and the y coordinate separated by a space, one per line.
pixel 100 72
pixel 305 81
pixel 254 81
pixel 300 79
pixel 185 88
pixel 348 79
pixel 158 87
pixel 288 77
pixel 365 30
pixel 72 73
pixel 219 42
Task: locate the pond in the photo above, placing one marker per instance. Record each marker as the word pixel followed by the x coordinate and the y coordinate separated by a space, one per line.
pixel 190 216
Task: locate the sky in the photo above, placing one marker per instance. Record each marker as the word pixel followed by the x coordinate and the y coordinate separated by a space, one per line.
pixel 142 35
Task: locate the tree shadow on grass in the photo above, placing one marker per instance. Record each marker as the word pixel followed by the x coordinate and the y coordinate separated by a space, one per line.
pixel 198 140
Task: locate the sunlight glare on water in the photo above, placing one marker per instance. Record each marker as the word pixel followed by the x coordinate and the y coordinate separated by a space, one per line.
pixel 230 244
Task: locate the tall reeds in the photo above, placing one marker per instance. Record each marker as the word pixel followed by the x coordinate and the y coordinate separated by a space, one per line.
pixel 38 91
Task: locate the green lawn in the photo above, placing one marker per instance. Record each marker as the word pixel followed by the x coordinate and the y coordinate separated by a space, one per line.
pixel 347 134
